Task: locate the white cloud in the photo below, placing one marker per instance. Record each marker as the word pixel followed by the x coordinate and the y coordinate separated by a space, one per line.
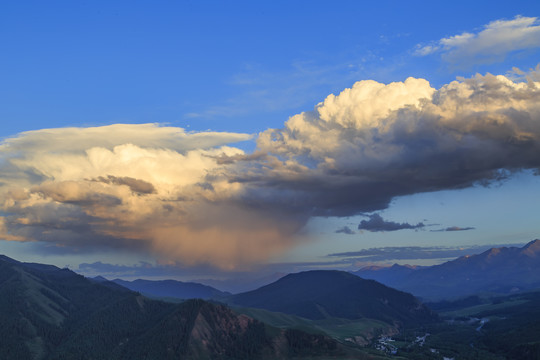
pixel 140 187
pixel 78 139
pixel 358 150
pixel 193 199
pixel 491 44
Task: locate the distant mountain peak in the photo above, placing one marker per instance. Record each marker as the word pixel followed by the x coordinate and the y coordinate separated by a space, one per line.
pixel 374 267
pixel 498 270
pixel 532 249
pixel 8 259
pixel 494 252
pixel 99 278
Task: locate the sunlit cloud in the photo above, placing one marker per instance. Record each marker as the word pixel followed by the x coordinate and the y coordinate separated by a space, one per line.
pixel 144 188
pixel 358 150
pixel 193 198
pixel 491 44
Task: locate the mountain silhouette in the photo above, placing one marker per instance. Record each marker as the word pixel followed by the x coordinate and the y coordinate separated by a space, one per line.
pixel 502 270
pixel 50 313
pixel 171 289
pixel 323 294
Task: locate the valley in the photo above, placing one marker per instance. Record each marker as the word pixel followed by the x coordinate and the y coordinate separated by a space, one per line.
pixel 53 313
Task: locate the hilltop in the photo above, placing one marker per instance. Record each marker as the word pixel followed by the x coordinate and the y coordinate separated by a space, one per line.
pixel 324 294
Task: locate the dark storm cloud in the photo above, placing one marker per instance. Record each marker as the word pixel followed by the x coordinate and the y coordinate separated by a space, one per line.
pixel 455 228
pixel 345 230
pixel 377 223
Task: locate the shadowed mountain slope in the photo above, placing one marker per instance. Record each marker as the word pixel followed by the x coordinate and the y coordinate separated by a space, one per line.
pixel 171 289
pixel 325 294
pixel 51 313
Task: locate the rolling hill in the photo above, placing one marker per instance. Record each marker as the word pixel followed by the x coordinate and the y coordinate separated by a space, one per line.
pixel 51 313
pixel 324 294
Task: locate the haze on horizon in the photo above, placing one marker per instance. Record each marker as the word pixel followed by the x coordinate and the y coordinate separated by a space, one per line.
pixel 396 147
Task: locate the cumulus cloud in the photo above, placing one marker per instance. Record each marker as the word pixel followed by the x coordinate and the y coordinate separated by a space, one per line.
pixel 373 142
pixel 144 188
pixel 376 223
pixel 491 44
pixel 193 198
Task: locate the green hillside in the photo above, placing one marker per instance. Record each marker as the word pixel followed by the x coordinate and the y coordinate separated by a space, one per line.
pixel 51 313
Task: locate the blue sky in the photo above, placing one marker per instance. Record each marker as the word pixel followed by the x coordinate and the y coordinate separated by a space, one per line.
pixel 241 66
pixel 226 73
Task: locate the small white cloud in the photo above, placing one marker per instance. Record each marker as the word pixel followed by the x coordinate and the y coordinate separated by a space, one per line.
pixel 426 50
pixel 457 40
pixel 491 44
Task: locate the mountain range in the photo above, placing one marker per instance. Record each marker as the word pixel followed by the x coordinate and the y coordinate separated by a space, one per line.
pixel 171 289
pixel 51 313
pixel 503 270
